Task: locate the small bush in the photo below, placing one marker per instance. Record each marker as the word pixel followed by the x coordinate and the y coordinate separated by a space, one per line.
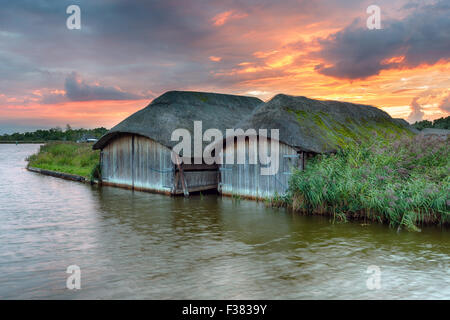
pixel 96 173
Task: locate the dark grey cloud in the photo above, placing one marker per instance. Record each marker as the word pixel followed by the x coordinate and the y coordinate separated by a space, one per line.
pixel 78 90
pixel 161 39
pixel 356 52
pixel 15 68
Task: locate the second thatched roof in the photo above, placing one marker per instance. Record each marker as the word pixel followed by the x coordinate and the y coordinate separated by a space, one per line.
pixel 321 126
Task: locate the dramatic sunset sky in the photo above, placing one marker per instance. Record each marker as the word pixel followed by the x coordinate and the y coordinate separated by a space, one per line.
pixel 129 52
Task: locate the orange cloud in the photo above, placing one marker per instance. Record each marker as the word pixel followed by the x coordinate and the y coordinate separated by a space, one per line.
pixel 215 59
pixel 222 18
pixel 393 60
pixel 392 90
pixel 281 62
pixel 261 54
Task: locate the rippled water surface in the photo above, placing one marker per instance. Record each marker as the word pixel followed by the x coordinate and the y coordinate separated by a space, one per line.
pixel 141 245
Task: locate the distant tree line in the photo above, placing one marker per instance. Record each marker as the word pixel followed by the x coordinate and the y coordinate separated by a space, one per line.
pixel 441 123
pixel 54 134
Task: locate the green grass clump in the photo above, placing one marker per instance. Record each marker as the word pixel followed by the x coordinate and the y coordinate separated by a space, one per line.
pixel 67 157
pixel 403 182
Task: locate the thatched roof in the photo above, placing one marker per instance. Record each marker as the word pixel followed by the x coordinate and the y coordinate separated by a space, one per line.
pixel 179 109
pixel 320 126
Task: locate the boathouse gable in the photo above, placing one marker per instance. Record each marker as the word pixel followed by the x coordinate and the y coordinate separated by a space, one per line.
pixel 137 153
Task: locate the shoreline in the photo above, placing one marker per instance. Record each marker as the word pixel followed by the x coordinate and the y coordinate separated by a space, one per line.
pixel 23 142
pixel 360 217
pixel 349 217
pixel 385 183
pixel 61 175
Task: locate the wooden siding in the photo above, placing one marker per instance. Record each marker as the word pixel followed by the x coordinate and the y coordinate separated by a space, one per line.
pixel 153 167
pixel 138 162
pixel 116 161
pixel 246 179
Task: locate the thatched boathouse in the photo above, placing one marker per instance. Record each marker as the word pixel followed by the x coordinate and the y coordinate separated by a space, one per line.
pixel 306 127
pixel 137 152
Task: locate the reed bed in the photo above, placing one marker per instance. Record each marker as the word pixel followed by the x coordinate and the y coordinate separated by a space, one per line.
pixel 404 182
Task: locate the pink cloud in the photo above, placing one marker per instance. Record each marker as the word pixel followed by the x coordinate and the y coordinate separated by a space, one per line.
pixel 222 18
pixel 215 59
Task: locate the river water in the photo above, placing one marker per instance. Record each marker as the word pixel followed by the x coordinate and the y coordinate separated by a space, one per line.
pixel 141 245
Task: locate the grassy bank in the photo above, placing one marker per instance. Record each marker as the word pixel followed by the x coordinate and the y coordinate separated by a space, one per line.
pixel 404 182
pixel 67 157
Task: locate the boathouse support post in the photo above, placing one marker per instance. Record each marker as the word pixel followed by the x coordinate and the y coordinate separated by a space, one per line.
pixel 180 175
pixel 132 162
pixel 183 180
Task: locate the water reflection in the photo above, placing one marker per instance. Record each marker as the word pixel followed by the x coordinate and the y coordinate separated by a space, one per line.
pixel 141 245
